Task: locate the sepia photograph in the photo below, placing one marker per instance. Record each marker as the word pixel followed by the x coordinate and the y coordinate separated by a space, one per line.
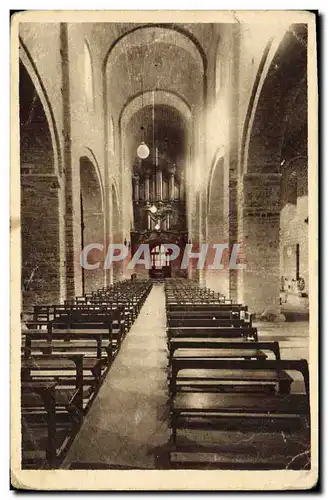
pixel 164 179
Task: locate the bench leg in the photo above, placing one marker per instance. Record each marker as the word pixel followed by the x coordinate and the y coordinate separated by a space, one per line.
pixel 51 452
pixel 284 387
pixel 174 434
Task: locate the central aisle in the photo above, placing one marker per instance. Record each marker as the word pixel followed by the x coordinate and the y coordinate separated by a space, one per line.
pixel 127 425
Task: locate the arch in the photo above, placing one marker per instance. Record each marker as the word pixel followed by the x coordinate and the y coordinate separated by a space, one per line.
pixel 88 153
pixel 115 190
pixel 116 236
pixel 111 143
pixel 156 97
pixel 215 207
pixel 92 220
pixel 267 57
pixel 189 42
pixel 220 152
pixel 88 75
pixel 294 236
pixel 218 68
pixel 251 104
pixel 283 69
pixel 164 33
pixel 161 97
pixel 42 245
pixel 266 116
pixel 217 224
pixel 31 68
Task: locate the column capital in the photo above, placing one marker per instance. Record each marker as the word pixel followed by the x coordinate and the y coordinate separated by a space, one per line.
pixel 171 169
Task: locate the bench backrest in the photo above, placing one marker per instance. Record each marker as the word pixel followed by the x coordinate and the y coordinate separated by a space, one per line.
pixel 198 344
pixel 206 323
pixel 262 365
pixel 247 333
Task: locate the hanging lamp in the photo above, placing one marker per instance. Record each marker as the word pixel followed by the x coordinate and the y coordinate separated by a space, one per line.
pixel 142 150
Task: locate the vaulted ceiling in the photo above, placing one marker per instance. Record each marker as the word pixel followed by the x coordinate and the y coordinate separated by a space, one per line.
pixel 167 135
pixel 153 59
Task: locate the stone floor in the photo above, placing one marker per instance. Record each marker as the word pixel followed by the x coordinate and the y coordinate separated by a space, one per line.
pixel 127 426
pixel 128 421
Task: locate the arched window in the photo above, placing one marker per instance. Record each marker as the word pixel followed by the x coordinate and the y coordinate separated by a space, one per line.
pixel 159 257
pixel 88 77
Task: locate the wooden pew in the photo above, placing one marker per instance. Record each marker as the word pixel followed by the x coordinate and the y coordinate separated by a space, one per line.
pixel 94 344
pixel 33 395
pixel 179 308
pixel 52 411
pixel 225 374
pixel 67 349
pixel 76 318
pixel 219 332
pixel 50 368
pixel 191 348
pixel 208 323
pixel 281 421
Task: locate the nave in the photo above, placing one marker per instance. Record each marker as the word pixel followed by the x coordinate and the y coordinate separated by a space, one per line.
pixel 132 422
pixel 164 236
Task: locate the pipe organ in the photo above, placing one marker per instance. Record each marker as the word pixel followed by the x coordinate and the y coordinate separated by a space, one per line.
pixel 161 187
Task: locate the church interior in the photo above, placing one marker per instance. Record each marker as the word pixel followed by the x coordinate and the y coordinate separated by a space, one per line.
pixel 153 135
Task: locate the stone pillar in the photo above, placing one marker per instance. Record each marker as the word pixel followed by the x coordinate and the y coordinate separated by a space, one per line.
pixel 159 184
pixel 153 183
pixel 41 233
pixel 171 186
pixel 182 187
pixel 136 188
pixel 146 187
pixel 261 254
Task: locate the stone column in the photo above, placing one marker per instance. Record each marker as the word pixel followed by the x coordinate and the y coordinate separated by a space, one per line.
pixel 153 183
pixel 42 248
pixel 146 187
pixel 171 186
pixel 136 188
pixel 159 184
pixel 182 187
pixel 260 246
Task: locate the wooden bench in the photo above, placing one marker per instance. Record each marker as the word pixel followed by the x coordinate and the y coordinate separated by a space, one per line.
pixel 207 323
pixel 281 421
pixel 239 333
pixel 76 313
pixel 94 345
pixel 66 370
pixel 226 374
pixel 93 322
pixel 33 395
pixel 52 406
pixel 186 308
pixel 190 348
